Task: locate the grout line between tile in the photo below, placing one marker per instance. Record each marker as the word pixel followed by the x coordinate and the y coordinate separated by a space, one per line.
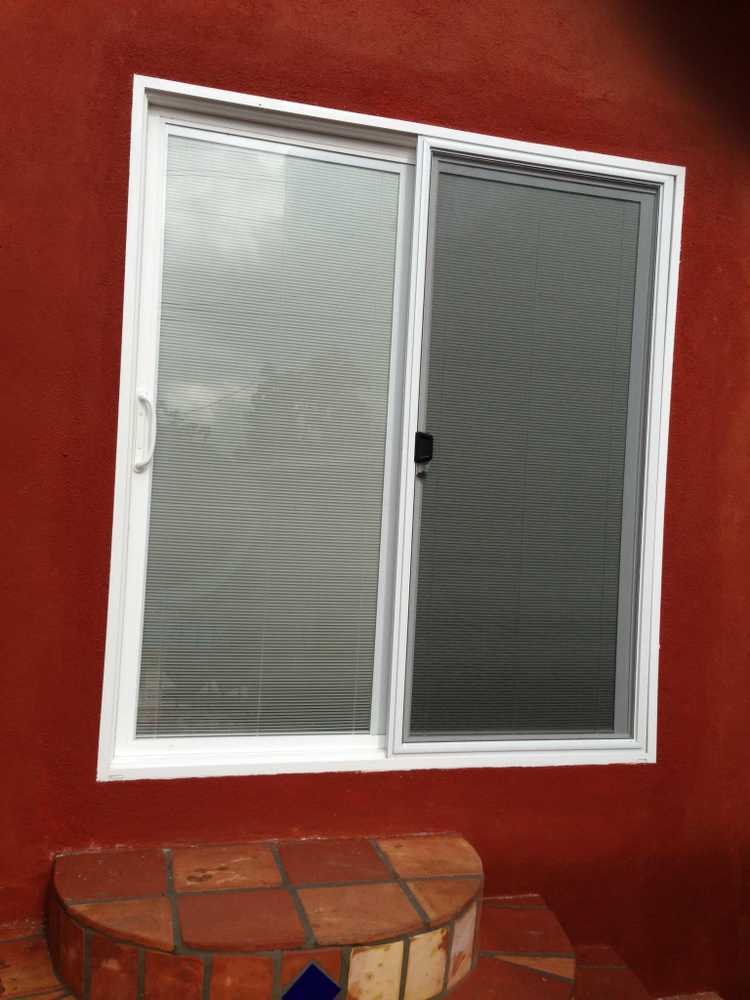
pixel 208 971
pixel 310 941
pixel 203 890
pixel 260 953
pixel 67 903
pixel 346 962
pixel 448 951
pixel 404 967
pixel 86 959
pixel 171 896
pixel 276 983
pixel 537 972
pixel 141 974
pixel 494 905
pixel 497 953
pixel 489 953
pixel 41 994
pixel 610 968
pixel 404 887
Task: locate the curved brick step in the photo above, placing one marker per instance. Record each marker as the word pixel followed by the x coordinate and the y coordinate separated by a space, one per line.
pixel 384 918
pixel 602 975
pixel 524 953
pixel 26 971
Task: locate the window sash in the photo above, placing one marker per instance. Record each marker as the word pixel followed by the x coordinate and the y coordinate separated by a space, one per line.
pixel 636 698
pixel 442 163
pixel 157 104
pixel 160 128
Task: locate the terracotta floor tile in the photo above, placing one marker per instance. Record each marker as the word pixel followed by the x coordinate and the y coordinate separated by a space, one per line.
pixel 522 901
pixel 443 898
pixel 241 977
pixel 114 970
pixel 327 959
pixel 350 860
pixel 113 875
pixel 170 976
pixel 28 927
pixel 359 914
pixel 563 967
pixel 25 967
pixel 240 921
pixel 237 866
pixel 494 980
pixel 608 984
pixel 598 954
pixel 522 931
pixel 431 855
pixel 142 921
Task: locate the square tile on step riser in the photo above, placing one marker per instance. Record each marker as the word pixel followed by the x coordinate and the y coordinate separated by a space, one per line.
pixel 428 955
pixel 375 973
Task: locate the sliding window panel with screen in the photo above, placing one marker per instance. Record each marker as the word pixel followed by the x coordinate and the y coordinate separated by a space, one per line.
pixel 280 273
pixel 534 369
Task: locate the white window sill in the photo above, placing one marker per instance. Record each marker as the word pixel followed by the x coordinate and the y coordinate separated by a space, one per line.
pixel 194 764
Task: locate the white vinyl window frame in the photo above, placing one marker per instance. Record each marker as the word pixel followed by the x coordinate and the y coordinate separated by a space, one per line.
pixel 161 106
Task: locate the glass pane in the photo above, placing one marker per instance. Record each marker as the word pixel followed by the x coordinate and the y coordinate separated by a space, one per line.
pixel 268 475
pixel 535 359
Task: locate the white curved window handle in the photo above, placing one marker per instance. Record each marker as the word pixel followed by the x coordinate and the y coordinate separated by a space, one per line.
pixel 141 464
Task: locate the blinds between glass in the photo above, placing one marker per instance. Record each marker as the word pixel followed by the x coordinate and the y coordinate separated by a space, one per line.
pixel 263 552
pixel 530 322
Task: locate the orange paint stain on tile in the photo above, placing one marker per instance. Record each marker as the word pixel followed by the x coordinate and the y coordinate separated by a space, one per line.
pixel 462 948
pixel 240 866
pixel 426 965
pixel 375 973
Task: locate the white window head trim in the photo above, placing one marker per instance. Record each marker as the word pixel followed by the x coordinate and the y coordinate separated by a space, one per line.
pixel 400 144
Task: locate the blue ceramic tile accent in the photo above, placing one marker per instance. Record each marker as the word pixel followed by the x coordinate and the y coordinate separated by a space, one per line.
pixel 313 984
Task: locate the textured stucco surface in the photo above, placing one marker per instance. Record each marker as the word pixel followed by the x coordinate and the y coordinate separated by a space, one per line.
pixel 653 859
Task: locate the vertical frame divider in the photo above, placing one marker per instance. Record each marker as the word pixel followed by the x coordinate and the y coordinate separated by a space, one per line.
pixel 412 380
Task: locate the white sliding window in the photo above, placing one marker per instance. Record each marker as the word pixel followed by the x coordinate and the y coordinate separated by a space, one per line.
pixel 391 447
pixel 276 322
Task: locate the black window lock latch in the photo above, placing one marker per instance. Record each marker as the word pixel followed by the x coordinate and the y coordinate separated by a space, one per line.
pixel 423 451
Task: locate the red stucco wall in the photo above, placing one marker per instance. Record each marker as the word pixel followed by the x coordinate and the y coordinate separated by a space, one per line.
pixel 649 858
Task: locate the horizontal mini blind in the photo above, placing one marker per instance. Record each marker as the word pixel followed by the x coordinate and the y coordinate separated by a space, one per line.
pixel 535 348
pixel 263 553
